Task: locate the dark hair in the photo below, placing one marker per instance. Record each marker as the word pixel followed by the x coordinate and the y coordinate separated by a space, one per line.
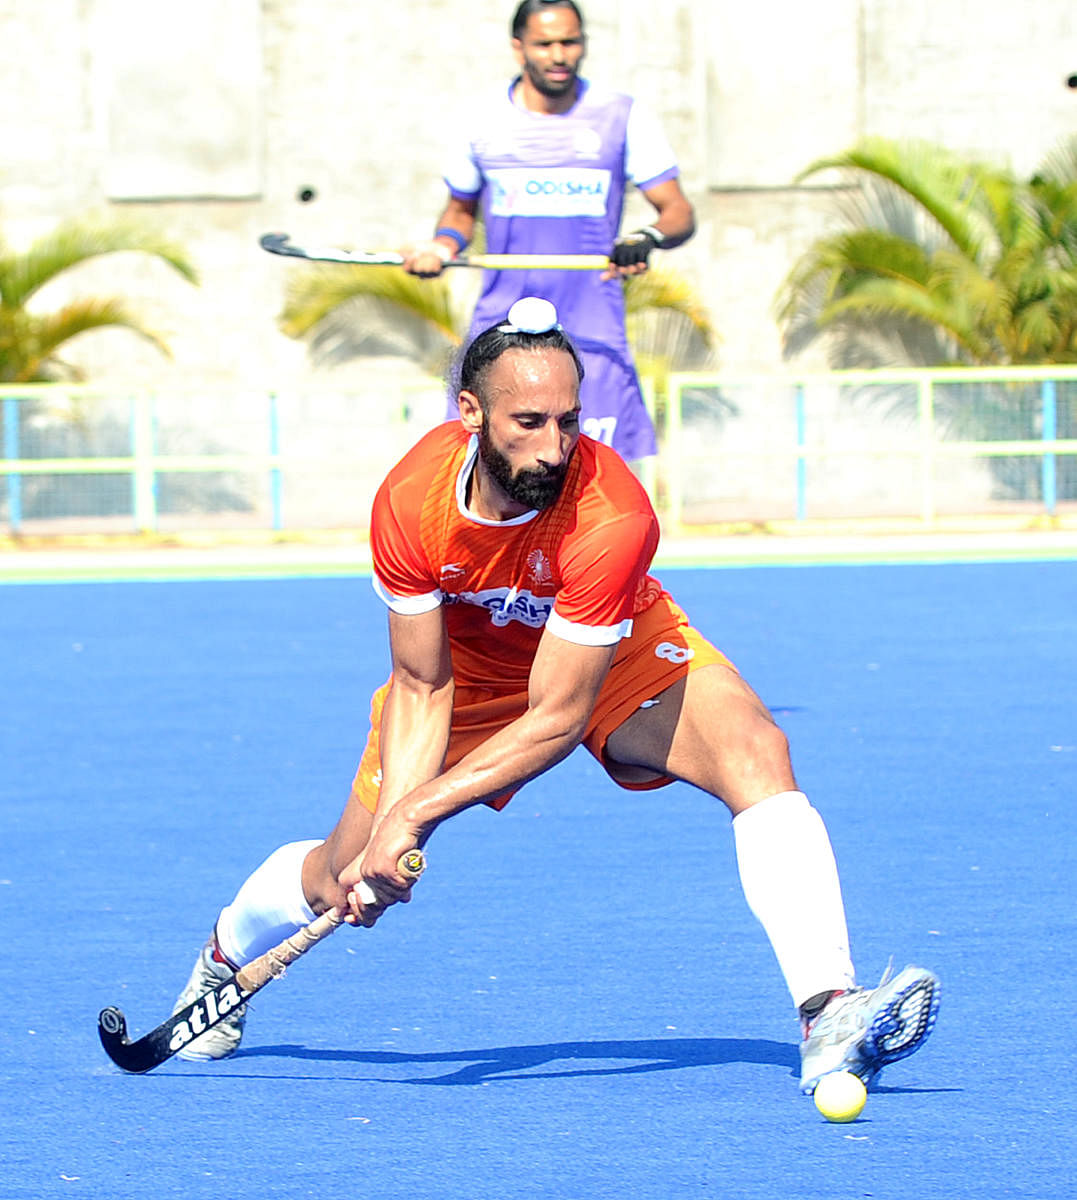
pixel 523 13
pixel 489 346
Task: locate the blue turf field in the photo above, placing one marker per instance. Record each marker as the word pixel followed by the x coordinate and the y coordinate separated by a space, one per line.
pixel 577 1003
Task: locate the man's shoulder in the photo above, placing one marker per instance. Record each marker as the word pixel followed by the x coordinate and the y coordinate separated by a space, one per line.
pixel 614 533
pixel 608 486
pixel 422 462
pixel 600 93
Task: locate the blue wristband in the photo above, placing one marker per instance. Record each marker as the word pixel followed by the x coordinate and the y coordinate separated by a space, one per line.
pixel 455 235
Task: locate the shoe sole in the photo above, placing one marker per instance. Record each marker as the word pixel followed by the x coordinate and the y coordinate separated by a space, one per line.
pixel 195 1056
pixel 903 1025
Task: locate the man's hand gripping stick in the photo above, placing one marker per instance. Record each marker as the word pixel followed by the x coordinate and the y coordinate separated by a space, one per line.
pixel 184 1026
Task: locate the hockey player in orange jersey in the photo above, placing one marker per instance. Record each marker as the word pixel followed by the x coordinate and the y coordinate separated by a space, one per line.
pixel 513 556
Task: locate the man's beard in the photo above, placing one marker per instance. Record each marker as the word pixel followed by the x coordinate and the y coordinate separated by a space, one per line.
pixel 553 91
pixel 534 488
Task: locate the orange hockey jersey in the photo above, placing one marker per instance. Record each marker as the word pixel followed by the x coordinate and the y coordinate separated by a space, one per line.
pixel 579 567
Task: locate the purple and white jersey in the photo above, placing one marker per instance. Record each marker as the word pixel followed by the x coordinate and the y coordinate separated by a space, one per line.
pixel 556 185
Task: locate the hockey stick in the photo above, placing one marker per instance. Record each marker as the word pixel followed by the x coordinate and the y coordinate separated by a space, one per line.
pixel 209 1009
pixel 281 243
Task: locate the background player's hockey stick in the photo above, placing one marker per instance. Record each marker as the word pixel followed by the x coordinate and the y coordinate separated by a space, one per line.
pixel 184 1026
pixel 281 243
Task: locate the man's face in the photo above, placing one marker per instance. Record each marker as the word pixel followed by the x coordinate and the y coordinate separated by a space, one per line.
pixel 530 426
pixel 550 51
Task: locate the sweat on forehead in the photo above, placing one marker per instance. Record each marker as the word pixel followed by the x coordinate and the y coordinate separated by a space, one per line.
pixel 490 345
pixel 526 373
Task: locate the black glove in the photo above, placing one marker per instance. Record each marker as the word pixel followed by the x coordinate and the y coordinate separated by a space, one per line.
pixel 633 249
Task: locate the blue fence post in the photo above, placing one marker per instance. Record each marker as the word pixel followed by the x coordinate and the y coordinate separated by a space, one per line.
pixel 11 452
pixel 802 463
pixel 925 399
pixel 143 473
pixel 1049 397
pixel 274 471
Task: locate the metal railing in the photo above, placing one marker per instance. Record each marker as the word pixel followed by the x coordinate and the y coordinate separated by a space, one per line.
pixel 89 458
pixel 933 424
pixel 917 444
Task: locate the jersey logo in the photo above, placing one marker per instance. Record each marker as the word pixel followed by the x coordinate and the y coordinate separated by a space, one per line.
pixel 539 566
pixel 587 143
pixel 452 573
pixel 555 192
pixel 508 604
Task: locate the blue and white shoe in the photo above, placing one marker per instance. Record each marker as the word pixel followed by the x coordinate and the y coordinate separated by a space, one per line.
pixel 863 1030
pixel 224 1038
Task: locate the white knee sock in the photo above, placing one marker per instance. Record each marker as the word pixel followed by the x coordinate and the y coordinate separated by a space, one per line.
pixel 269 907
pixel 790 881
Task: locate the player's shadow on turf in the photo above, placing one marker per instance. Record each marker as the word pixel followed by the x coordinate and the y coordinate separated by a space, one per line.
pixel 563 1060
pixel 884 1089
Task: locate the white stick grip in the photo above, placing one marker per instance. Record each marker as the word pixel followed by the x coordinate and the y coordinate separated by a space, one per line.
pixel 412 864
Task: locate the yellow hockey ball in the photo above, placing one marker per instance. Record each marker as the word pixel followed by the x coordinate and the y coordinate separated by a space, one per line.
pixel 840 1096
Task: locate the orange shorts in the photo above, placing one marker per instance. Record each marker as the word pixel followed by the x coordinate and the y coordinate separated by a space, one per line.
pixel 663 648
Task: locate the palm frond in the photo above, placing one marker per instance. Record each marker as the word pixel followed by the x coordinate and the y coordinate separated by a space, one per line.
pixel 935 242
pixel 1053 190
pixel 876 203
pixel 883 300
pixel 32 356
pixel 344 312
pixel 1035 327
pixel 837 265
pixel 76 242
pixel 668 326
pixel 662 289
pixel 1060 163
pixel 944 185
pixel 311 293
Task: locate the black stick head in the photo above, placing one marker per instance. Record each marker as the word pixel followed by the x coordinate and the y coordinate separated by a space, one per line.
pixel 275 243
pixel 112 1030
pixel 135 1057
pixel 112 1024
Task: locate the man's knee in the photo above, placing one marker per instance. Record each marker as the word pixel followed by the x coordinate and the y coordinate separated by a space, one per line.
pixel 767 737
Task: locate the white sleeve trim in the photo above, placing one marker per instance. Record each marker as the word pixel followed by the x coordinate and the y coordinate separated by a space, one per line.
pixel 461 174
pixel 648 152
pixel 588 635
pixel 407 606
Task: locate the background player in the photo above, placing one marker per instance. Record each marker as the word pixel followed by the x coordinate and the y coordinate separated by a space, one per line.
pixel 513 557
pixel 548 162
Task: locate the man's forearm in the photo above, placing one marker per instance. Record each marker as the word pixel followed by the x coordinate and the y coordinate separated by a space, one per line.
pixel 455 227
pixel 414 738
pixel 522 750
pixel 676 224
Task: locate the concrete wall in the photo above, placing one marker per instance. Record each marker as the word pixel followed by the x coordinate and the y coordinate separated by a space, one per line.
pixel 208 117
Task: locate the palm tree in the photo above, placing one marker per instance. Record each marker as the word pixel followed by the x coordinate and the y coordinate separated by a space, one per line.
pixel 31 341
pixel 940 261
pixel 944 261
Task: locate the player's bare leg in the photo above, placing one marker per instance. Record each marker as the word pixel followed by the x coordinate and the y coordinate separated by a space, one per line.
pixel 270 906
pixel 710 729
pixel 293 885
